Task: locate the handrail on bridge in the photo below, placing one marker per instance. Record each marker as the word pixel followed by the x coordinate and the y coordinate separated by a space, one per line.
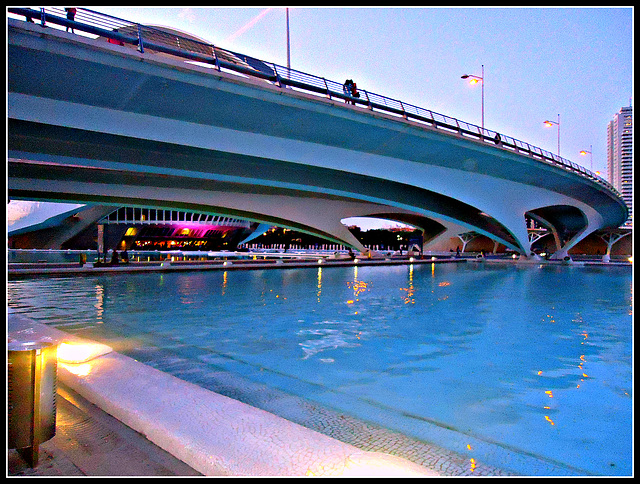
pixel 143 37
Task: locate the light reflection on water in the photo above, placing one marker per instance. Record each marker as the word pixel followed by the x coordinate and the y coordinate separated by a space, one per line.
pixel 531 359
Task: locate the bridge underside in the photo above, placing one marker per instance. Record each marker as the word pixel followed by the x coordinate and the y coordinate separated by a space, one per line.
pixel 67 164
pixel 124 128
pixel 317 209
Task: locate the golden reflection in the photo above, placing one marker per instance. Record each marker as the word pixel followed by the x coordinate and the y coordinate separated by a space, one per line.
pixel 319 283
pixel 582 360
pixel 99 305
pixel 473 464
pixel 409 290
pixel 76 352
pixel 78 370
pixel 358 287
pixel 224 282
pixel 585 335
pixel 546 417
pixel 409 297
pixel 581 366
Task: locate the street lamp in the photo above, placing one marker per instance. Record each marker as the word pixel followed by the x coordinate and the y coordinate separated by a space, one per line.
pixel 548 124
pixel 584 152
pixel 475 80
pixel 288 44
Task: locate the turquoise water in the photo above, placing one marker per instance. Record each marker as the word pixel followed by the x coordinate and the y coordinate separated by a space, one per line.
pixel 527 368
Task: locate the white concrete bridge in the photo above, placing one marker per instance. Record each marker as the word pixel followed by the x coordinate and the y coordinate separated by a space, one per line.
pixel 93 121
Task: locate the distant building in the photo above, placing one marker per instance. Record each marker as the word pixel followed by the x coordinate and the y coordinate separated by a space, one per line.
pixel 620 156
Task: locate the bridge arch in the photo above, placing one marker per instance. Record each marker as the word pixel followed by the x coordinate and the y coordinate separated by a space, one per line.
pixel 568 224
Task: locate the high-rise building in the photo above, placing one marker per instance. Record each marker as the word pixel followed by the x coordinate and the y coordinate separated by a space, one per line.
pixel 620 156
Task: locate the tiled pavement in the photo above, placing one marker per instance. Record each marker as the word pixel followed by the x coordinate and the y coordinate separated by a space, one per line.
pixel 89 442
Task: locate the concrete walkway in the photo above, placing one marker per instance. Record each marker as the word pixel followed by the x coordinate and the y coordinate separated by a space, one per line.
pixel 90 442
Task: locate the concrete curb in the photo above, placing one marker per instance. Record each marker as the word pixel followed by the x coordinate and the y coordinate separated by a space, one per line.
pixel 213 434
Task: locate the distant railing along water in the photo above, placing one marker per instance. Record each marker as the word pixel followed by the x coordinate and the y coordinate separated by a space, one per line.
pixel 118 31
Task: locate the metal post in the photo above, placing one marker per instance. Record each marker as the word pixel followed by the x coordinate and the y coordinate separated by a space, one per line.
pixel 140 45
pixel 558 135
pixel 369 101
pixel 100 240
pixel 288 44
pixel 327 86
pixel 278 80
pixel 404 112
pixel 215 57
pixel 482 99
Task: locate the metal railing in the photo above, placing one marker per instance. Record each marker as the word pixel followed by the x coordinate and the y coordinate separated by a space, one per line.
pixel 146 38
pixel 152 216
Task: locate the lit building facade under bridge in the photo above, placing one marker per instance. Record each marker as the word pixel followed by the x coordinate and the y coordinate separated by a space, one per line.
pixel 105 228
pixel 158 229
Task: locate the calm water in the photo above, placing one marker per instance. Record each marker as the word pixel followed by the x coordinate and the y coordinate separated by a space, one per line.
pixel 525 368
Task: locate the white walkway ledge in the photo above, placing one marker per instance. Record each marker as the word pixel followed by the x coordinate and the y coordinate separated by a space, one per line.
pixel 214 434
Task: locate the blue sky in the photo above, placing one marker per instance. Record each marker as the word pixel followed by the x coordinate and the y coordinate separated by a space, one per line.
pixel 539 62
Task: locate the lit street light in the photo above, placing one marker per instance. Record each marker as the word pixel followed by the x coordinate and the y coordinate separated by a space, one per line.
pixel 548 124
pixel 475 80
pixel 584 152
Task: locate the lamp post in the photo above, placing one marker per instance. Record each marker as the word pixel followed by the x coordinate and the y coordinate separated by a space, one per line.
pixel 548 124
pixel 475 80
pixel 288 46
pixel 584 152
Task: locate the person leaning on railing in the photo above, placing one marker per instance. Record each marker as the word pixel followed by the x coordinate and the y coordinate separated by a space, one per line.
pixel 350 89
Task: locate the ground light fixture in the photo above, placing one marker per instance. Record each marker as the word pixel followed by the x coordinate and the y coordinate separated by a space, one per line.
pixel 31 403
